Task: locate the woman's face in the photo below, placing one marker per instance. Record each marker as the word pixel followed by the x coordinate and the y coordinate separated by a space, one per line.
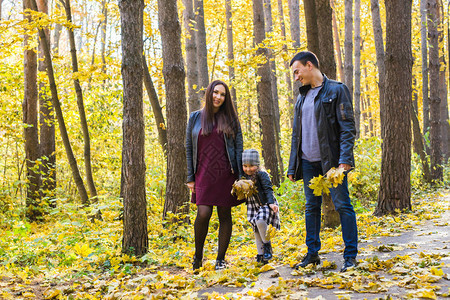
pixel 218 96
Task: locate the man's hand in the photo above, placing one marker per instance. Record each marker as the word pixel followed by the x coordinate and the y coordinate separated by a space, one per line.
pixel 291 178
pixel 191 186
pixel 345 166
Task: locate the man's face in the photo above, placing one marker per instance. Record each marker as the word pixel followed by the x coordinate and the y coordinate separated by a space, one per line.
pixel 302 73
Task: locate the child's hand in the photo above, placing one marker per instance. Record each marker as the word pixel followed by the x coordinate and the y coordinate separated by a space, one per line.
pixel 274 207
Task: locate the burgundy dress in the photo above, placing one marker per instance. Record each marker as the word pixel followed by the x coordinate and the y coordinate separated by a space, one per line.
pixel 213 178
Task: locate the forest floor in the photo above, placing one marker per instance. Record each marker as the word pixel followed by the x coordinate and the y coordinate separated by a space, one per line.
pixel 400 257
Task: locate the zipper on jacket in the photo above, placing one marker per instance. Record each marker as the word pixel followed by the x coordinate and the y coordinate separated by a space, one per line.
pixel 228 154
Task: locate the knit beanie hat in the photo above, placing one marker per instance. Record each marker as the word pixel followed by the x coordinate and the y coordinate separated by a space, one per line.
pixel 250 157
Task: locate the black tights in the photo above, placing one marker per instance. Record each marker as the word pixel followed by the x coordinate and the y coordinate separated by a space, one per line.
pixel 201 225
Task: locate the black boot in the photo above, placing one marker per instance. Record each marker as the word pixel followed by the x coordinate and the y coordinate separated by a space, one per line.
pixel 308 259
pixel 259 258
pixel 267 251
pixel 197 263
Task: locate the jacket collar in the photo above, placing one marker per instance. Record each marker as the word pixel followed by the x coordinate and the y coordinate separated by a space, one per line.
pixel 305 88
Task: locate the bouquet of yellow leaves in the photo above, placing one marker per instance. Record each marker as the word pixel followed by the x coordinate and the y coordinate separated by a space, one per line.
pixel 243 189
pixel 333 178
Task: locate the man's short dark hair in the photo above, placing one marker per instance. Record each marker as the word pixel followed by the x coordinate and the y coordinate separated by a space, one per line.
pixel 304 57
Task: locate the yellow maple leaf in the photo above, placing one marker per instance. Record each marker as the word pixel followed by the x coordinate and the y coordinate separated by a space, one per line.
pixel 320 185
pixel 335 176
pixel 82 250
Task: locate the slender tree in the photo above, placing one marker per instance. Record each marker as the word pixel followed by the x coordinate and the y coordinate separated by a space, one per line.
pixel 285 51
pixel 443 85
pixel 312 30
pixel 325 37
pixel 348 45
pixel 435 101
pixel 424 48
pixel 57 30
pixel 1 2
pixel 379 48
pixel 418 144
pixel 135 237
pixel 202 52
pixel 103 34
pixel 264 90
pixel 30 120
pixel 156 107
pixel 80 104
pixel 59 115
pixel 230 50
pixel 294 16
pixel 337 42
pixel 357 96
pixel 191 56
pixel 395 182
pixel 174 76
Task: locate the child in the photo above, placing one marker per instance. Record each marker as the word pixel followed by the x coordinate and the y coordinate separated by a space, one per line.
pixel 262 208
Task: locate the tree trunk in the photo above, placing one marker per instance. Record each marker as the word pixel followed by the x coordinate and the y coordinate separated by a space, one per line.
pixel 46 127
pixel 443 86
pixel 348 45
pixel 230 51
pixel 156 107
pixel 59 115
pixel 337 42
pixel 395 182
pixel 30 120
pixel 202 52
pixel 56 31
pixel 419 146
pixel 173 70
pixel 325 30
pixel 135 237
pixel 1 2
pixel 312 30
pixel 103 34
pixel 379 48
pixel 294 16
pixel 80 104
pixel 435 101
pixel 424 47
pixel 191 56
pixel 286 53
pixel 264 91
pixel 357 97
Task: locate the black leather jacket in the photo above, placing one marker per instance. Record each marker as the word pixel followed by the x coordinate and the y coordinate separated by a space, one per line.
pixel 264 187
pixel 335 127
pixel 234 147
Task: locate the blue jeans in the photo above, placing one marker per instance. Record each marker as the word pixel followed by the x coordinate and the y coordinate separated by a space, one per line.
pixel 342 204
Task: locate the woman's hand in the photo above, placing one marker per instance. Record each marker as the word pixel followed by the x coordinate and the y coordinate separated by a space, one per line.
pixel 191 186
pixel 274 207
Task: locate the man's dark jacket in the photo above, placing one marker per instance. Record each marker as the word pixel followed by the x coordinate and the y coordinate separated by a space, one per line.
pixel 234 147
pixel 335 127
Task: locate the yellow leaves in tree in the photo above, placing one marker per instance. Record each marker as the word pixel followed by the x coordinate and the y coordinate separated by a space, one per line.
pixel 322 184
pixel 243 189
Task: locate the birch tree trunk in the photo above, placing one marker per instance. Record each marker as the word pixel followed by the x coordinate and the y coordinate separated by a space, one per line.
pixel 191 56
pixel 435 101
pixel 264 91
pixel 348 45
pixel 135 237
pixel 80 104
pixel 357 97
pixel 30 120
pixel 174 77
pixel 424 48
pixel 230 50
pixel 59 115
pixel 395 180
pixel 202 52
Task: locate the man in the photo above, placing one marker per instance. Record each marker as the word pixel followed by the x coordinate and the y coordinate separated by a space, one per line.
pixel 323 137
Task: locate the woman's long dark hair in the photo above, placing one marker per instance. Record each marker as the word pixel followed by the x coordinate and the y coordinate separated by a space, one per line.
pixel 226 118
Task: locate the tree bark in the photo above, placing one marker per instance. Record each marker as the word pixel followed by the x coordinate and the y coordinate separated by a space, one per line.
pixel 379 48
pixel 337 42
pixel 56 32
pixel 443 86
pixel 59 115
pixel 424 48
pixel 1 2
pixel 395 182
pixel 230 50
pixel 286 53
pixel 294 16
pixel 135 237
pixel 80 104
pixel 357 97
pixel 202 51
pixel 435 101
pixel 264 91
pixel 191 56
pixel 103 34
pixel 156 107
pixel 325 30
pixel 173 70
pixel 312 30
pixel 419 146
pixel 30 120
pixel 348 45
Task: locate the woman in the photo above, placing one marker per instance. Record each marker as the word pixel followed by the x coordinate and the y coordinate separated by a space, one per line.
pixel 214 161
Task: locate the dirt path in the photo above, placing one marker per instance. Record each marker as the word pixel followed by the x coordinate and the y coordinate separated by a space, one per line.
pixel 420 249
